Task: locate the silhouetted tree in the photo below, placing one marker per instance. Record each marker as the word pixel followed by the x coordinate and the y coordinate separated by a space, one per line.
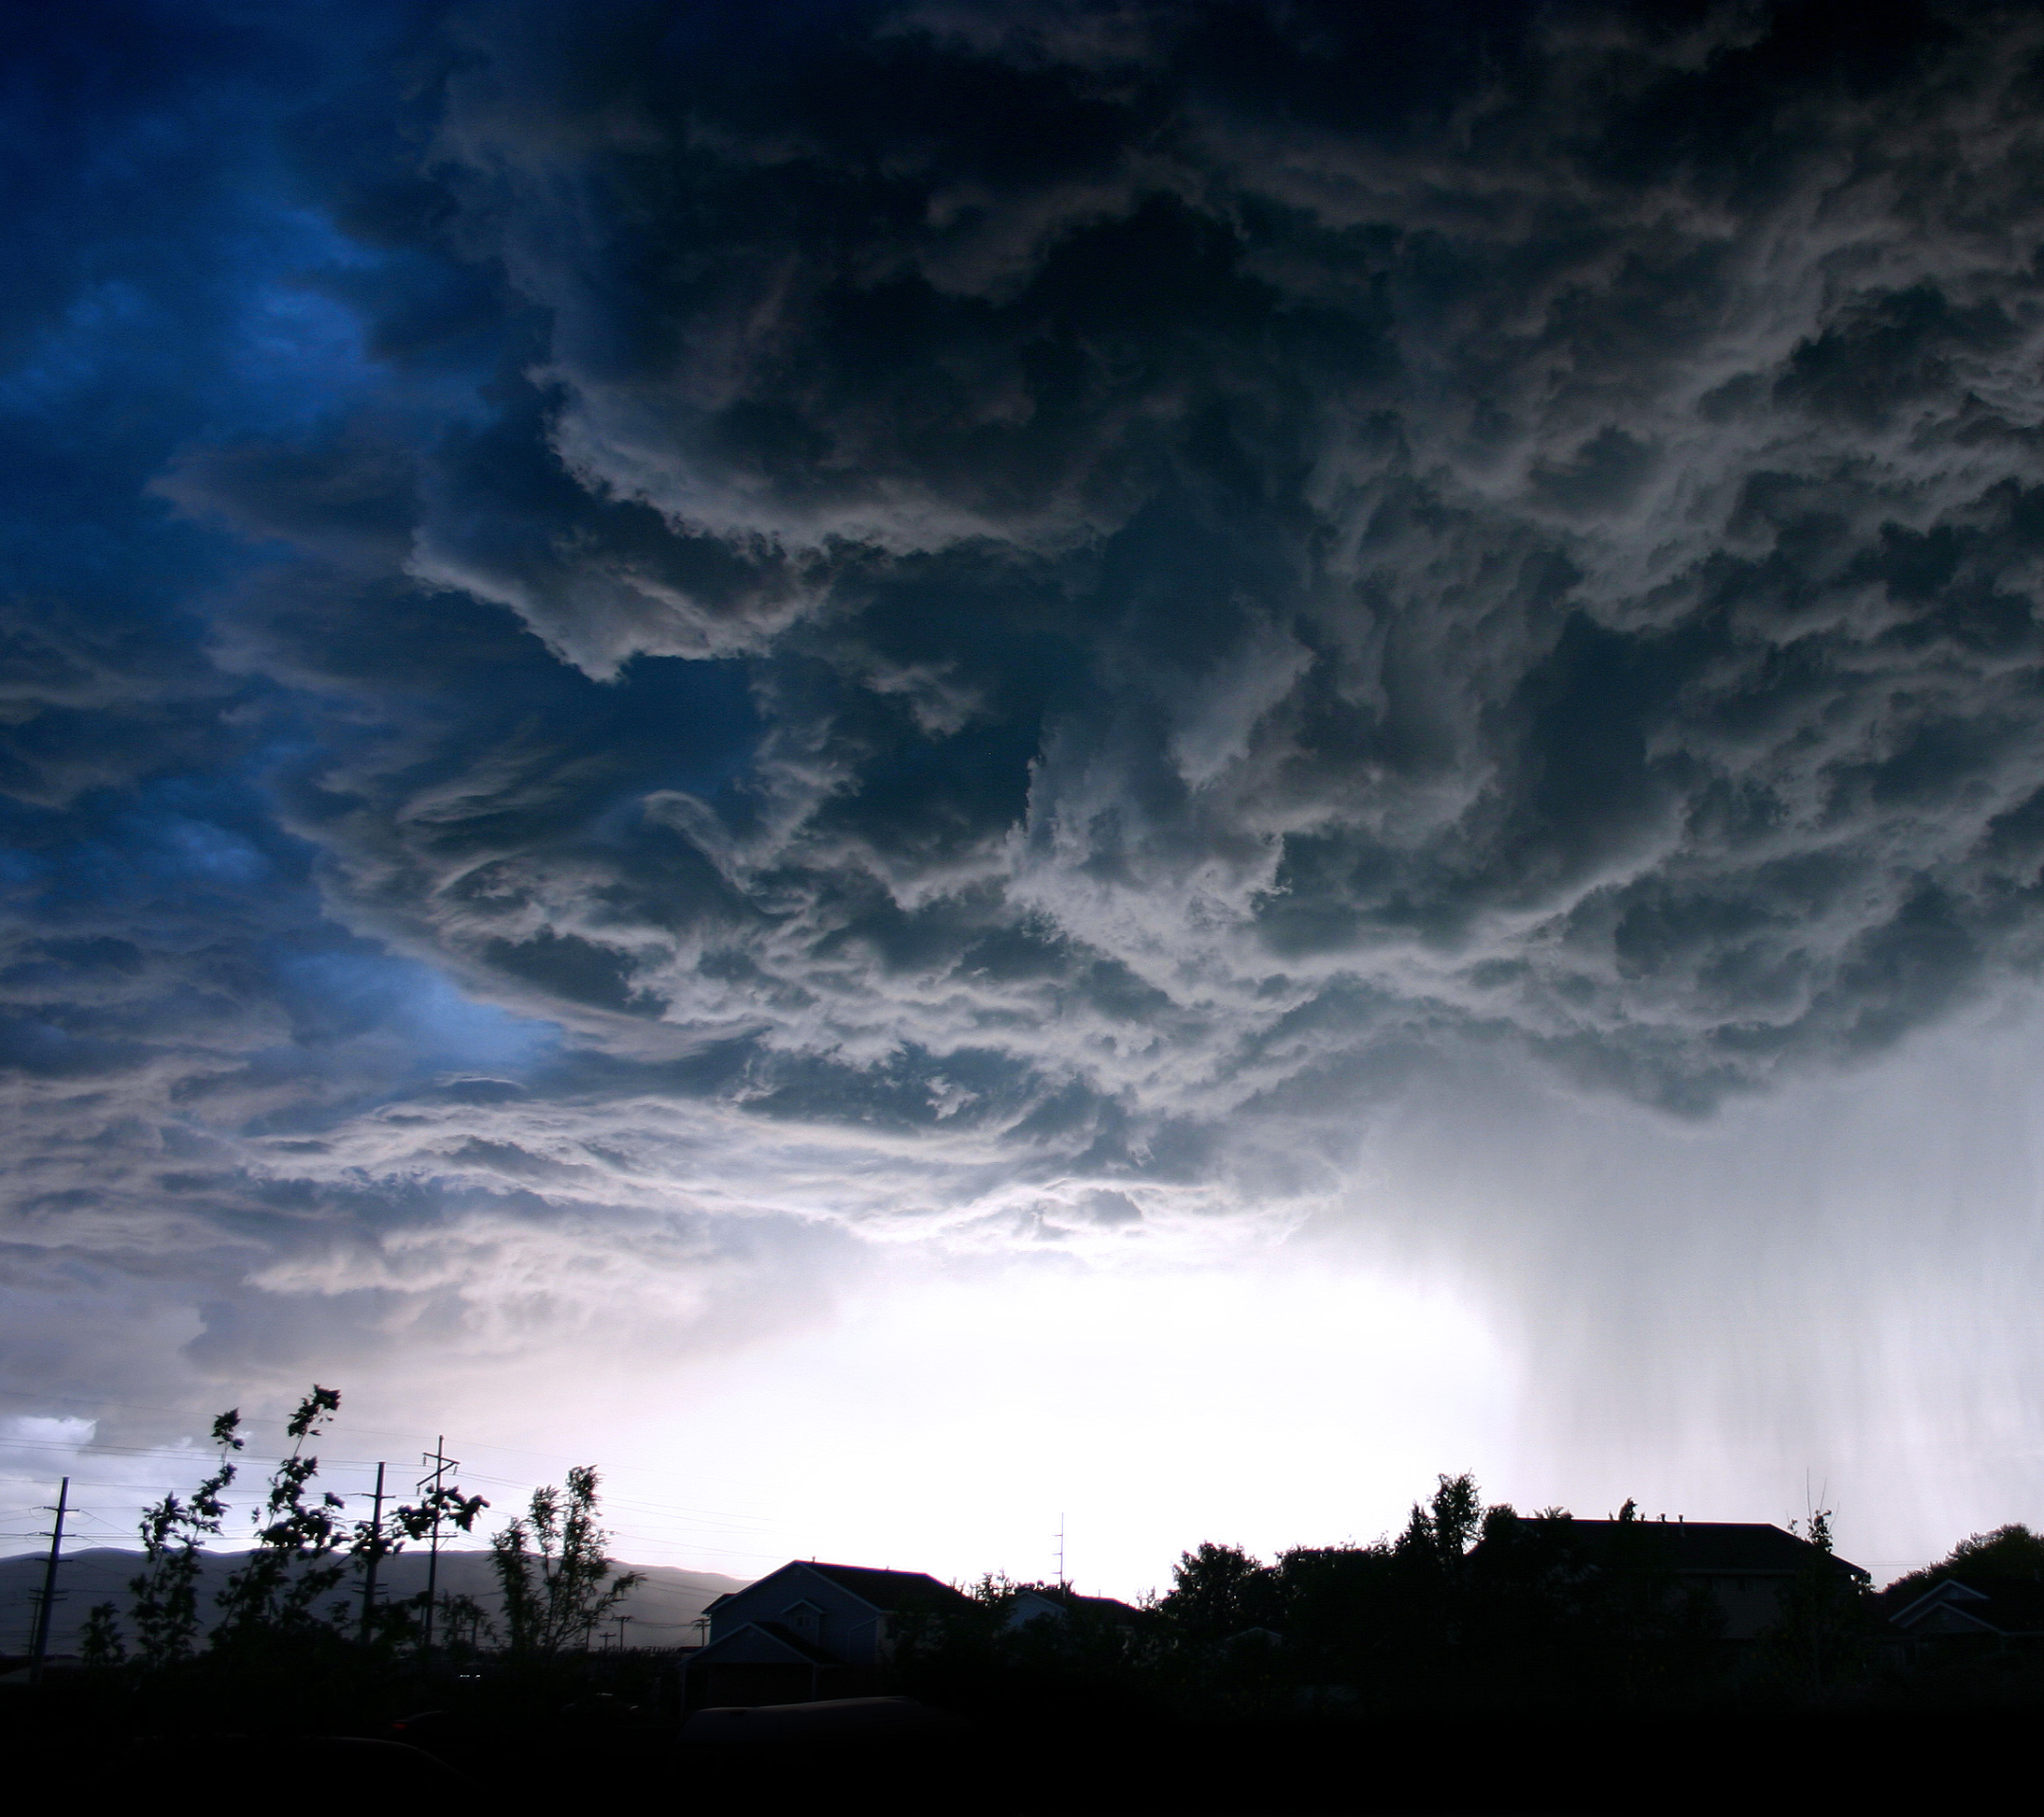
pixel 467 1624
pixel 293 1561
pixel 164 1609
pixel 1531 1600
pixel 2012 1551
pixel 101 1646
pixel 1218 1591
pixel 1821 1639
pixel 554 1572
pixel 1446 1525
pixel 302 1552
pixel 1340 1609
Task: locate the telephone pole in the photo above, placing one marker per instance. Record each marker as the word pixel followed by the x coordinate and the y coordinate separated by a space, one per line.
pixel 431 1484
pixel 375 1557
pixel 39 1647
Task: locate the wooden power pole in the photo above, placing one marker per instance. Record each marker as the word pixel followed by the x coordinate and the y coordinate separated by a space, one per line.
pixel 39 1647
pixel 432 1485
pixel 375 1557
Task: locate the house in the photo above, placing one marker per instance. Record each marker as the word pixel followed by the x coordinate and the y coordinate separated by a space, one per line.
pixel 809 1631
pixel 1744 1566
pixel 1981 1608
pixel 1060 1602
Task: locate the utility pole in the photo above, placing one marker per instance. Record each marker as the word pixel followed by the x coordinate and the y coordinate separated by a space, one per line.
pixel 375 1557
pixel 1061 1583
pixel 431 1484
pixel 39 1647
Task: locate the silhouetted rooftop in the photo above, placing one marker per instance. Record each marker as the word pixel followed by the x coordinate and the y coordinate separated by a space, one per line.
pixel 888 1590
pixel 1106 1606
pixel 788 1637
pixel 2002 1605
pixel 1754 1548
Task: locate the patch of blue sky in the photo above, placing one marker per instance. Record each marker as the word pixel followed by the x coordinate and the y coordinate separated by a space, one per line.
pixel 709 727
pixel 299 354
pixel 453 1028
pixel 72 353
pixel 301 351
pixel 359 992
pixel 161 872
pixel 19 869
pixel 173 836
pixel 181 846
pixel 257 346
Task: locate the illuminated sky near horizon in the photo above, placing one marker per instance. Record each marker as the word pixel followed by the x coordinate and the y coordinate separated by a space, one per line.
pixel 926 766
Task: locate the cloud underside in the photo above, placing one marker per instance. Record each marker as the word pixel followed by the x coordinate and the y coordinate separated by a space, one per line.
pixel 999 619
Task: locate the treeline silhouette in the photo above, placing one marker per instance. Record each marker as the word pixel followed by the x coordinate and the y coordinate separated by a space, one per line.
pixel 1553 1641
pixel 1467 1607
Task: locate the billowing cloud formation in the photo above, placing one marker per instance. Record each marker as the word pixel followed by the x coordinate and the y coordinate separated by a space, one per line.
pixel 999 618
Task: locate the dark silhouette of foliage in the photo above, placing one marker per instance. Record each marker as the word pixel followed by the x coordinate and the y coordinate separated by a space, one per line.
pixel 1444 1529
pixel 1466 1607
pixel 2011 1552
pixel 303 1552
pixel 1823 1636
pixel 465 1625
pixel 1218 1591
pixel 1336 1605
pixel 294 1562
pixel 553 1571
pixel 443 1507
pixel 164 1609
pixel 101 1647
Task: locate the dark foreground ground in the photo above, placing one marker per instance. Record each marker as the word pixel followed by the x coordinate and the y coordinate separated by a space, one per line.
pixel 1065 1762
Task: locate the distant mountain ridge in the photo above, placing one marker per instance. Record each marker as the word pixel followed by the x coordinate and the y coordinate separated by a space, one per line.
pixel 663 1610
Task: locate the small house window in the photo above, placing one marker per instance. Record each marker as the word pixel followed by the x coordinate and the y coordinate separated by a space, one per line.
pixel 805 1619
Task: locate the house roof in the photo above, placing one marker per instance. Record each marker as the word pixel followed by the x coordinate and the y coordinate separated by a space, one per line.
pixel 785 1634
pixel 1998 1605
pixel 760 1642
pixel 888 1590
pixel 1742 1549
pixel 1104 1605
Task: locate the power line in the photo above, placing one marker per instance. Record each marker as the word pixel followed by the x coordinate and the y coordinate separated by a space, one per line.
pixel 689 1521
pixel 182 1454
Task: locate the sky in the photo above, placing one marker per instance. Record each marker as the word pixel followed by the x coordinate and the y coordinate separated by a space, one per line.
pixel 943 773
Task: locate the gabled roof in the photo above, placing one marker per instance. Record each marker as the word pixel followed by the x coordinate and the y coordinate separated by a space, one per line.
pixel 1105 1607
pixel 762 1643
pixel 1716 1549
pixel 783 1632
pixel 1993 1605
pixel 886 1590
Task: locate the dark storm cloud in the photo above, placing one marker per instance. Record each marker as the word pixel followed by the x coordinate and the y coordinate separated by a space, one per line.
pixel 1547 540
pixel 1028 605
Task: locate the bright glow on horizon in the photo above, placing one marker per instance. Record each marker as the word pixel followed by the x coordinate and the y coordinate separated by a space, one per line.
pixel 946 1426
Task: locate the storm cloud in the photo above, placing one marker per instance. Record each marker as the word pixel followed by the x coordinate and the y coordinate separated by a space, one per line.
pixel 649 630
